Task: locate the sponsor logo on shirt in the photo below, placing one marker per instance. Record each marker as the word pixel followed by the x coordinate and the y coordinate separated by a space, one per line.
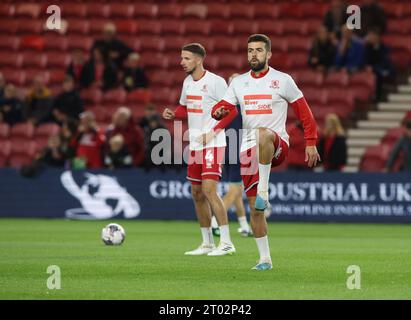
pixel 204 89
pixel 257 104
pixel 194 104
pixel 275 84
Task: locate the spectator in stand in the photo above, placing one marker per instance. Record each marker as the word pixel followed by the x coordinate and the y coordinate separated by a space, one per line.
pixel 53 155
pixel 296 153
pixel 124 125
pixel 402 146
pixel 67 134
pixel 322 52
pixel 118 155
pixel 99 71
pixel 134 75
pixel 2 85
pixel 114 49
pixel 335 18
pixel 38 102
pixel 350 51
pixel 88 144
pixel 75 69
pixel 372 18
pixel 151 122
pixel 10 106
pixel 332 145
pixel 377 59
pixel 68 104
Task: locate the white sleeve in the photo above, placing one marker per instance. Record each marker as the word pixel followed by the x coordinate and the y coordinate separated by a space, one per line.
pixel 183 100
pixel 220 88
pixel 289 90
pixel 230 95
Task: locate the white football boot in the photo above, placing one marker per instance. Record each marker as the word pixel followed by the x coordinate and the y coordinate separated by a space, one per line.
pixel 222 250
pixel 202 249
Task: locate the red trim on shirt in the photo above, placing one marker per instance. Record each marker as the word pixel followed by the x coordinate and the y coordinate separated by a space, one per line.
pixel 266 111
pixel 304 114
pixel 194 110
pixel 194 97
pixel 232 113
pixel 262 74
pixel 258 97
pixel 227 106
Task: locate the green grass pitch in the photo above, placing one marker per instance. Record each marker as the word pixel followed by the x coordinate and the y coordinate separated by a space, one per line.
pixel 310 262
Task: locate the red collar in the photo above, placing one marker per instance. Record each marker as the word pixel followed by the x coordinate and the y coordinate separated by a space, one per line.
pixel 262 74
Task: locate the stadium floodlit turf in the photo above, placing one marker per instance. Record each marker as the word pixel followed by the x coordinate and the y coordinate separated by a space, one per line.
pixel 310 262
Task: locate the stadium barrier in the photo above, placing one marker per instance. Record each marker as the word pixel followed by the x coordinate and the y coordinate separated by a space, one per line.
pixel 138 194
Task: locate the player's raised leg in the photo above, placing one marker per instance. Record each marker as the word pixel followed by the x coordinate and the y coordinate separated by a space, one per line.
pixel 203 212
pixel 259 227
pixel 266 142
pixel 209 188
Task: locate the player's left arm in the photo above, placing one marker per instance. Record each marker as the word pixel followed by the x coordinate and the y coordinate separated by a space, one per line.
pixel 295 98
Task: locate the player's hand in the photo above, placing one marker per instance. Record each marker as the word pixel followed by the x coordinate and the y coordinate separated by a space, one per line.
pixel 168 114
pixel 220 113
pixel 206 137
pixel 312 156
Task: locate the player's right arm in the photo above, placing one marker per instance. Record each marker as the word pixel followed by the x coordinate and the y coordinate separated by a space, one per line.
pixel 227 106
pixel 180 113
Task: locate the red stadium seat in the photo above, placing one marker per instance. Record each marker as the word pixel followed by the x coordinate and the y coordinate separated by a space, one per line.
pixel 375 158
pixel 221 44
pixel 218 10
pixel 173 27
pixel 10 60
pixel 244 27
pixel 57 76
pixel 363 79
pixel 398 26
pixel 221 27
pixel 299 43
pixel 115 96
pixel 14 76
pixel 97 26
pixel 174 43
pixel 166 96
pixel 91 96
pixel 9 26
pixel 34 59
pixel 31 73
pixel 58 59
pixel 173 10
pixel 264 10
pixel 295 27
pixel 280 44
pixel 270 27
pixel 155 61
pixel 297 60
pixel 161 78
pixel 314 10
pixel 5 150
pixel 7 10
pixel 242 10
pixel 146 10
pixel 231 60
pixel 149 27
pixel 152 44
pixel 78 10
pixel 122 10
pixel 337 79
pixel 341 96
pixel 19 160
pixel 9 43
pixel 392 135
pixel 197 27
pixel 309 78
pixel 393 10
pixel 139 96
pixel 207 42
pixel 315 96
pixel 133 42
pixel 195 10
pixel 22 130
pixel 4 131
pixel 55 41
pixel 99 10
pixel 31 10
pixel 79 42
pixel 126 27
pixel 78 26
pixel 30 26
pixel 290 10
pixel 46 130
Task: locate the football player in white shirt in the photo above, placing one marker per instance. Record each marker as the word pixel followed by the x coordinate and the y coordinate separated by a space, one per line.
pixel 202 89
pixel 264 95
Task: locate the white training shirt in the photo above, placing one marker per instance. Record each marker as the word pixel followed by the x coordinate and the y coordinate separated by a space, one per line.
pixel 200 96
pixel 264 103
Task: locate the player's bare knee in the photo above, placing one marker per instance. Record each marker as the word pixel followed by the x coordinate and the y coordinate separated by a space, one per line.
pixel 265 136
pixel 209 192
pixel 198 195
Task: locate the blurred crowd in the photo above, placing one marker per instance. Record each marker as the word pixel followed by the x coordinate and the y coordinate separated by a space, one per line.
pixel 337 47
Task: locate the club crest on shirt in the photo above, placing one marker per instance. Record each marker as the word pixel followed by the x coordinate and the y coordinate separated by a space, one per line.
pixel 204 88
pixel 275 84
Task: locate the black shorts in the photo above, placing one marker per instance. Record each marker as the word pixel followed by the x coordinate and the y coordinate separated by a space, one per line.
pixel 232 173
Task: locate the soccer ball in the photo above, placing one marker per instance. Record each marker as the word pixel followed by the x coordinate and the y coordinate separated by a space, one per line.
pixel 113 234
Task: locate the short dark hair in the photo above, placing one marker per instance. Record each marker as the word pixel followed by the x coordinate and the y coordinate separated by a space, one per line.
pixel 260 38
pixel 195 48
